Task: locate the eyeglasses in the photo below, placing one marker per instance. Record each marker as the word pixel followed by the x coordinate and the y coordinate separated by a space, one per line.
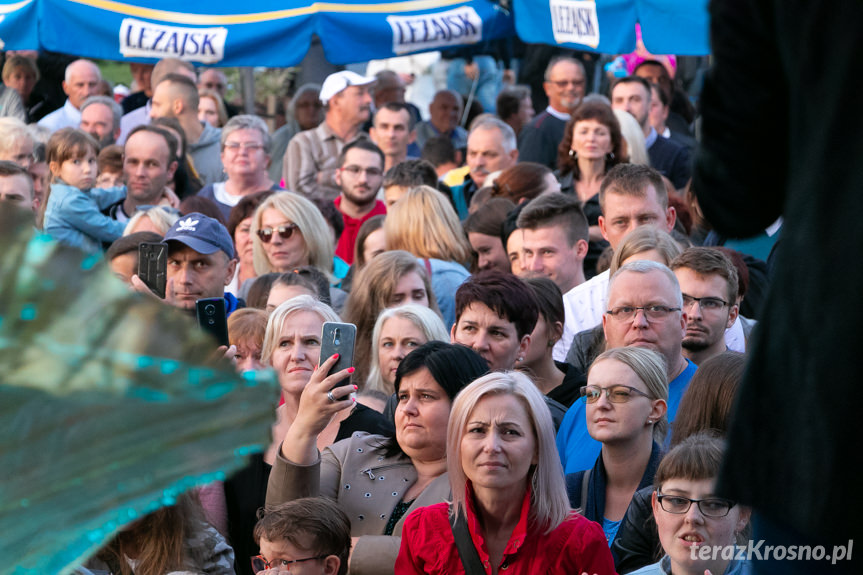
pixel 370 172
pixel 651 312
pixel 713 507
pixel 248 146
pixel 614 393
pixel 284 231
pixel 260 564
pixel 565 83
pixel 705 303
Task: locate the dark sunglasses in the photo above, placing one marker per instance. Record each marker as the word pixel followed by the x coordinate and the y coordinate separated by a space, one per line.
pixel 284 231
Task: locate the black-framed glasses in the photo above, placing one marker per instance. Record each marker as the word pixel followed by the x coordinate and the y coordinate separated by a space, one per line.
pixel 711 507
pixel 260 564
pixel 614 393
pixel 651 312
pixel 284 231
pixel 705 303
pixel 357 170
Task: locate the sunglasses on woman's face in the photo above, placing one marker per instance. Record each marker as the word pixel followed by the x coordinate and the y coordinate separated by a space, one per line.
pixel 284 231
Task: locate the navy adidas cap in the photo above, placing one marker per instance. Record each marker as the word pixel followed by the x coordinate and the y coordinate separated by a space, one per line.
pixel 202 233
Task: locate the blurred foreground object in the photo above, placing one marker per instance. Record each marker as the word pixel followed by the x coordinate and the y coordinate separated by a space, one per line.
pixel 110 404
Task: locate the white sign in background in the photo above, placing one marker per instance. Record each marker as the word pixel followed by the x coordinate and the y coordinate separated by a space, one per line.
pixel 574 21
pixel 426 31
pixel 149 40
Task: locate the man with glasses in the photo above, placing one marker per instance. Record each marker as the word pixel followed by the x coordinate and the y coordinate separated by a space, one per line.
pixel 360 173
pixel 565 85
pixel 309 165
pixel 708 281
pixel 645 309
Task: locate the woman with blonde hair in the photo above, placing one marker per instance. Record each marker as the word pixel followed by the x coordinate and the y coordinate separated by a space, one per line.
pixel 211 108
pixel 627 401
pixel 397 332
pixel 425 224
pixel 157 219
pixel 390 279
pixel 509 508
pixel 289 231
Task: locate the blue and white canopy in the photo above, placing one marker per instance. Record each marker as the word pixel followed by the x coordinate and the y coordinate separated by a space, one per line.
pixel 252 33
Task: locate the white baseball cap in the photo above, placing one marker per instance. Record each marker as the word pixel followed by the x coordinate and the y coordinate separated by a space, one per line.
pixel 340 81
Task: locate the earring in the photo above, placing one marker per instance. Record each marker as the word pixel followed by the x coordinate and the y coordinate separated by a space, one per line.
pixel 649 421
pixel 573 154
pixel 520 358
pixel 609 156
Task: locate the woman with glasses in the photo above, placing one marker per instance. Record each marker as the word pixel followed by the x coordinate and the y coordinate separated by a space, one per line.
pixel 627 398
pixel 245 157
pixel 288 231
pixel 689 516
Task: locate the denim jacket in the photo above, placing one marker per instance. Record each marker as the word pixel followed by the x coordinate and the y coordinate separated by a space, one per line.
pixel 74 216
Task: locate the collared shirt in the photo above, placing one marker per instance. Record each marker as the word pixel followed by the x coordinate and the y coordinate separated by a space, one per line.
pixel 311 160
pixel 650 138
pixel 583 307
pixel 66 117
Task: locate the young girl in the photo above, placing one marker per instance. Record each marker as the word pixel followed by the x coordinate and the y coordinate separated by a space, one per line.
pixel 73 214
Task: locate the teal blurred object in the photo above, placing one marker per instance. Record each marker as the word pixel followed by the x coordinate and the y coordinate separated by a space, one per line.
pixel 110 404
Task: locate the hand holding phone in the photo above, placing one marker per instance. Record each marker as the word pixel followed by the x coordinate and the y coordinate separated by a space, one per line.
pixel 338 338
pixel 153 267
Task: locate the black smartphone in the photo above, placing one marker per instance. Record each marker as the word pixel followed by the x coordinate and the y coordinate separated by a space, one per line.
pixel 338 338
pixel 213 318
pixel 153 267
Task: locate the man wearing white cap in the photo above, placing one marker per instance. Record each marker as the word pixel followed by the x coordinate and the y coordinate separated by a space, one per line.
pixel 312 157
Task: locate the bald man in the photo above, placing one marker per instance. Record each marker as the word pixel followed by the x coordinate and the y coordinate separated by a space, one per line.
pixel 82 80
pixel 176 96
pixel 141 115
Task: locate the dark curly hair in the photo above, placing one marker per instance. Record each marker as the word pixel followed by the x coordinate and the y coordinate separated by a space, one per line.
pixel 601 113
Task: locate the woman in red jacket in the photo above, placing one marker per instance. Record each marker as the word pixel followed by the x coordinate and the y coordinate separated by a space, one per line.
pixel 509 502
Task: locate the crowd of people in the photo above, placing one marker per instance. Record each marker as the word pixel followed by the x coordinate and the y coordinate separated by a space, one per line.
pixel 549 333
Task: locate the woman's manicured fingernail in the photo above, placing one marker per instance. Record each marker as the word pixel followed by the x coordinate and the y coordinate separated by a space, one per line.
pixel 336 356
pixel 350 370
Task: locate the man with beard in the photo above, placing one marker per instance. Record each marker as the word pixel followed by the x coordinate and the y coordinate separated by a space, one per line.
pixel 359 175
pixel 100 117
pixel 708 281
pixel 310 163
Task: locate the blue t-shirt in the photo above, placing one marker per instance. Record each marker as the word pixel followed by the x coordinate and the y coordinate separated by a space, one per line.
pixel 610 528
pixel 578 450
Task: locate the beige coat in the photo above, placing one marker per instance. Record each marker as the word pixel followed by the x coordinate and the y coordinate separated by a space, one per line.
pixel 367 485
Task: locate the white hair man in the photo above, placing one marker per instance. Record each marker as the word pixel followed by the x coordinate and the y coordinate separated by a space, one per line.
pixel 81 81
